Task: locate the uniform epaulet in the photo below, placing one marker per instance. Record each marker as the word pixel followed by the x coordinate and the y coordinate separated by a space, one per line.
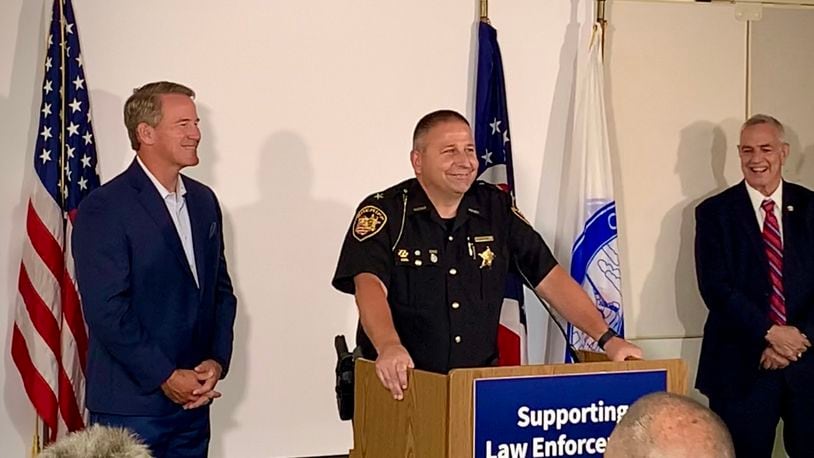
pixel 390 193
pixel 378 196
pixel 520 215
pixel 489 186
pixel 515 210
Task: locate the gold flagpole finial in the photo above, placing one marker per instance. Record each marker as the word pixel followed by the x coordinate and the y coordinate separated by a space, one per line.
pixel 484 10
pixel 600 12
pixel 601 24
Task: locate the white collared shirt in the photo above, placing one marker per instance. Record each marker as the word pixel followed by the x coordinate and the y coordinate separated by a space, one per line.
pixel 757 199
pixel 176 205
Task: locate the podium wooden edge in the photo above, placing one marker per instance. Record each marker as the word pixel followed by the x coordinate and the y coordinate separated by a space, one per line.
pixel 421 417
pixel 586 356
pixel 437 409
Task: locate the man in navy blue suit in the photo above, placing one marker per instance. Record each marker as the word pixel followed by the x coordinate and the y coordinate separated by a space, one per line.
pixel 754 253
pixel 157 297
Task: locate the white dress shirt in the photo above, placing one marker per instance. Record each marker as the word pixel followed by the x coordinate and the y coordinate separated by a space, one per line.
pixel 757 199
pixel 176 205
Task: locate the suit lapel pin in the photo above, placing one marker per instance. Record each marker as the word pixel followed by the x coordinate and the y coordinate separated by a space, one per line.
pixel 790 208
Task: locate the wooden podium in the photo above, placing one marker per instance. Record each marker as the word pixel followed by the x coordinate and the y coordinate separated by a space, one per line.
pixel 435 417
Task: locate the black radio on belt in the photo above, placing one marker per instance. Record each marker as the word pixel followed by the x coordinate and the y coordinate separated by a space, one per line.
pixel 344 378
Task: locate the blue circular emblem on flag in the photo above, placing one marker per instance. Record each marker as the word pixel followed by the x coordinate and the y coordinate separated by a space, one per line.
pixel 595 266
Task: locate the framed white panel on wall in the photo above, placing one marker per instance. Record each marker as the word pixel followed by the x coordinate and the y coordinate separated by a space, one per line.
pixel 677 88
pixel 781 63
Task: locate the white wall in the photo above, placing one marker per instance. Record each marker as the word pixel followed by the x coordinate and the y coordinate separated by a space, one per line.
pixel 21 36
pixel 306 107
pixel 676 123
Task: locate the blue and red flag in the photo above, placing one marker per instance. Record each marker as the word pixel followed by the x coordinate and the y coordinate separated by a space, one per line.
pixel 494 148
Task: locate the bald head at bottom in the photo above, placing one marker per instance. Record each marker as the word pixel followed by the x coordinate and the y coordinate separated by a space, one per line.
pixel 666 425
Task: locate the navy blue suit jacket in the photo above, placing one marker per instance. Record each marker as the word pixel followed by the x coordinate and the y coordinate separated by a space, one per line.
pixel 145 314
pixel 733 278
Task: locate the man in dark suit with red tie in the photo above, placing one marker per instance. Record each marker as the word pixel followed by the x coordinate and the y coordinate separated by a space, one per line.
pixel 754 255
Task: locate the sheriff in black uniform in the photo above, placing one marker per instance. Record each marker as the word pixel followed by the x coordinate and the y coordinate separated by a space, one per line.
pixel 445 277
pixel 427 261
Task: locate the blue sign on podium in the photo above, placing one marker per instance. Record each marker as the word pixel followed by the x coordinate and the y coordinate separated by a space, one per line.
pixel 554 416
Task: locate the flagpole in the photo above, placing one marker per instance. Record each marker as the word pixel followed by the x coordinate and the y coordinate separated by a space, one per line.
pixel 35 440
pixel 602 22
pixel 484 11
pixel 63 95
pixel 62 141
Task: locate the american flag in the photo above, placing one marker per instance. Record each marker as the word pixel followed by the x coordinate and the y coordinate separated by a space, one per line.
pixel 49 339
pixel 495 166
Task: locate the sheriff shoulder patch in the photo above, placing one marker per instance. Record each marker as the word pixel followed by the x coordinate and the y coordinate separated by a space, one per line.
pixel 369 221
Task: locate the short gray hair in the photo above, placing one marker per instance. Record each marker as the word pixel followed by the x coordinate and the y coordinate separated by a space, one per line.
pixel 144 105
pixel 760 118
pixel 98 441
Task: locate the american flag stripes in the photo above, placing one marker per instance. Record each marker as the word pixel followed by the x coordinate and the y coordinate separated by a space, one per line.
pixel 49 338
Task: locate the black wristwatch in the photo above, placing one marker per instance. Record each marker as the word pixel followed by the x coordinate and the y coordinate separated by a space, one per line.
pixel 604 338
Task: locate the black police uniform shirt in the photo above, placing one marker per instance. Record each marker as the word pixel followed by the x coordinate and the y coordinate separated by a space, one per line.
pixel 445 280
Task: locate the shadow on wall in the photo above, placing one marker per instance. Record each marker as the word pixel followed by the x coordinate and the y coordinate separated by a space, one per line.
pixel 558 147
pixel 702 154
pixel 234 386
pixel 27 71
pixel 799 167
pixel 108 117
pixel 550 195
pixel 281 244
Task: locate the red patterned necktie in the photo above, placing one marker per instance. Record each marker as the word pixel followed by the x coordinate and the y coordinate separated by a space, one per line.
pixel 773 245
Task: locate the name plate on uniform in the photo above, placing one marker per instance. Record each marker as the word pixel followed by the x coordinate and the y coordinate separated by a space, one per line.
pixel 553 416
